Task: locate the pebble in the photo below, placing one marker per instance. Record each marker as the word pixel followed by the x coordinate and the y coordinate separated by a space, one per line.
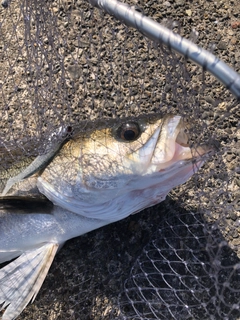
pixel 167 4
pixel 222 45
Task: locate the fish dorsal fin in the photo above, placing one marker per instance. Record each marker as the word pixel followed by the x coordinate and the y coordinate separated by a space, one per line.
pixel 39 163
pixel 21 279
pixel 52 147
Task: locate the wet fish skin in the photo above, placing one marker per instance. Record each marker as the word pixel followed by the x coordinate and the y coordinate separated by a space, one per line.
pixel 96 178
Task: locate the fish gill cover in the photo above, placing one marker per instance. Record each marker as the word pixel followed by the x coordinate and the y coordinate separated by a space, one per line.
pixel 64 64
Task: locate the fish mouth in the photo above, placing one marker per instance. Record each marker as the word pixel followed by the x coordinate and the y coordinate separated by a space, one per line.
pixel 172 147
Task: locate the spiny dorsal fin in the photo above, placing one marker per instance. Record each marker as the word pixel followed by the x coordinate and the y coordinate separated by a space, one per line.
pixel 55 142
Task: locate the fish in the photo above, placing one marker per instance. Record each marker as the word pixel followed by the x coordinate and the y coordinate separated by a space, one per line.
pixel 102 173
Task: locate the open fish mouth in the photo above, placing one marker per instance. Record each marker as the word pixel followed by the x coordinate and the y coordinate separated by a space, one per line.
pixel 167 146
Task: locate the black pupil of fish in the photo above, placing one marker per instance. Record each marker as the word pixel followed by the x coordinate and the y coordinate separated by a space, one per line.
pixel 129 135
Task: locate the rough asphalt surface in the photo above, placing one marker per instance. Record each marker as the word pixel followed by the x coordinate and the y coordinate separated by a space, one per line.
pixel 88 274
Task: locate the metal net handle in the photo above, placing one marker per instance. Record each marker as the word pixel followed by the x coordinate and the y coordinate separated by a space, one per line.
pixel 160 34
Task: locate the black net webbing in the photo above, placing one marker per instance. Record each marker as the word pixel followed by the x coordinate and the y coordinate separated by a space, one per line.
pixel 64 63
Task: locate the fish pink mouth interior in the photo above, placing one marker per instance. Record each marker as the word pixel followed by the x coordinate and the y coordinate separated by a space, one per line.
pixel 182 152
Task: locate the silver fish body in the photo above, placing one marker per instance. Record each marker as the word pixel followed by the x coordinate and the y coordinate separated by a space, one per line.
pixel 99 176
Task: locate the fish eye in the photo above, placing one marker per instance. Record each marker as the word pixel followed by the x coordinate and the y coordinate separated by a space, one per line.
pixel 128 131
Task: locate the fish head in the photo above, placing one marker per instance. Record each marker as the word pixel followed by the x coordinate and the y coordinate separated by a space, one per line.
pixel 121 167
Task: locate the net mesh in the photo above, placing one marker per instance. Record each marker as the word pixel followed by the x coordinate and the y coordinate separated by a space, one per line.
pixel 65 62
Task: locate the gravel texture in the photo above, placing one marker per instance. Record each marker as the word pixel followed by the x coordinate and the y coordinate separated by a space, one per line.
pixel 82 64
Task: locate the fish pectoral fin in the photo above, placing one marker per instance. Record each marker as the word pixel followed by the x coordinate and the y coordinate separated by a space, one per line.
pixel 21 279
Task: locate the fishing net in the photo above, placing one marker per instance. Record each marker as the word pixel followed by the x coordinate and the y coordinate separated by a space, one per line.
pixel 65 63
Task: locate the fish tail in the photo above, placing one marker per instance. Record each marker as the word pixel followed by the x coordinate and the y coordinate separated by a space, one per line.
pixel 21 279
